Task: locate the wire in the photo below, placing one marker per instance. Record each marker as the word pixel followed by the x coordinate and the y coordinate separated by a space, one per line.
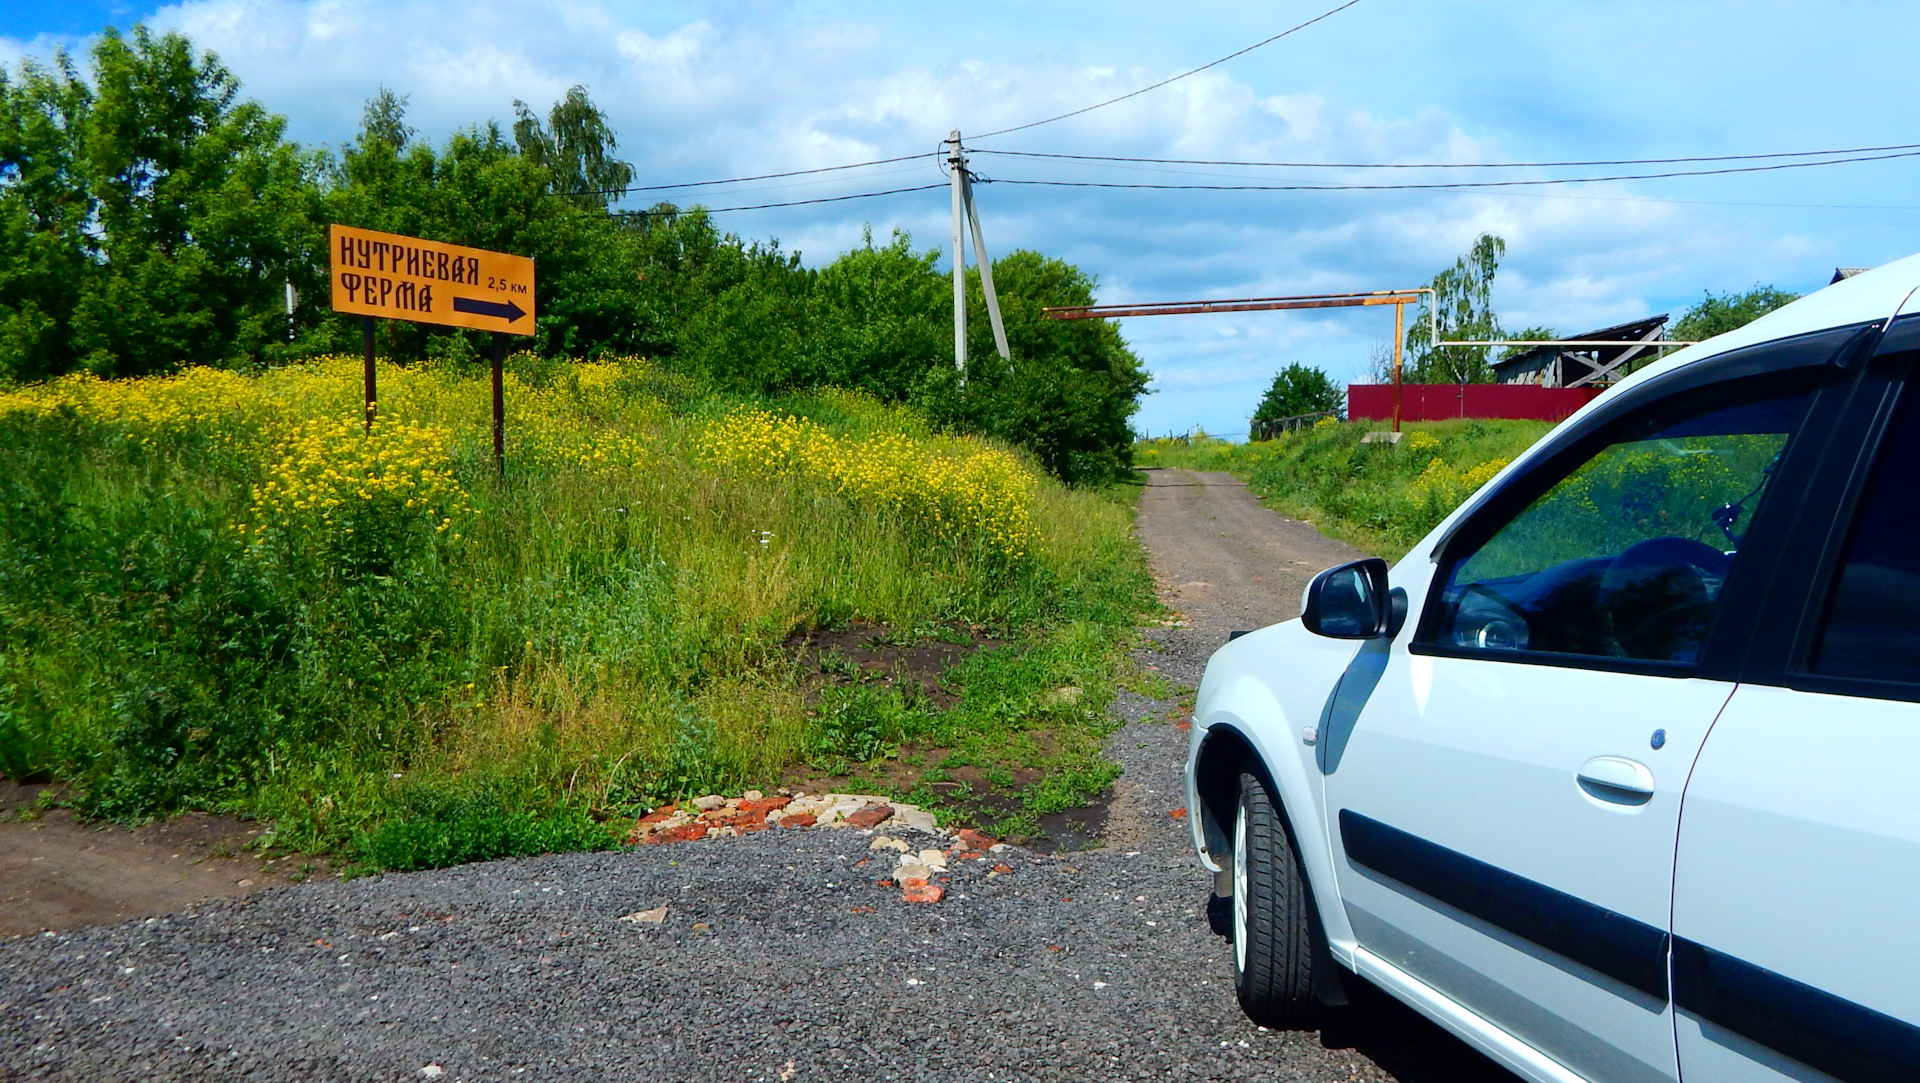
pixel 795 202
pixel 1450 165
pixel 741 180
pixel 1446 184
pixel 1174 79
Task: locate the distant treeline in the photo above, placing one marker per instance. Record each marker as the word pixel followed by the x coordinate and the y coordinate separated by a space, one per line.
pixel 151 218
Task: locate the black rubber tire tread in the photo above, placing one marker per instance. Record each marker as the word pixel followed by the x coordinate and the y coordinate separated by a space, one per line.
pixel 1276 988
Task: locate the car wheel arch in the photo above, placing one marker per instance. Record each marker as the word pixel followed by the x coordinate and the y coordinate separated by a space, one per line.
pixel 1224 753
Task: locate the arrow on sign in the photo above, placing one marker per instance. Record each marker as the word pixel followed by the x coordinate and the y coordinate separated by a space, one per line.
pixel 507 310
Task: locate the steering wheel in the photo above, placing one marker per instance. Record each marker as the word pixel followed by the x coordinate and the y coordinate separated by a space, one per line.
pixel 1659 595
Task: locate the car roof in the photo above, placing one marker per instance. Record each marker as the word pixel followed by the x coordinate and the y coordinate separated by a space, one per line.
pixel 1870 295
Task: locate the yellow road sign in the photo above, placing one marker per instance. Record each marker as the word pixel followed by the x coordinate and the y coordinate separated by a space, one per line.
pixel 406 278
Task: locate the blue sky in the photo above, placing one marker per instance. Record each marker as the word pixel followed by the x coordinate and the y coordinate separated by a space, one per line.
pixel 708 90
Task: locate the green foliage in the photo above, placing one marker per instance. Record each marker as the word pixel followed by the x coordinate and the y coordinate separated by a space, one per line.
pixel 152 219
pixel 1072 386
pixel 1465 311
pixel 1529 334
pixel 575 145
pixel 598 642
pixel 1716 314
pixel 1301 389
pixel 437 829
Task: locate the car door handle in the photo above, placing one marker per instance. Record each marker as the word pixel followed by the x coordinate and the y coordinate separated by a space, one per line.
pixel 1616 780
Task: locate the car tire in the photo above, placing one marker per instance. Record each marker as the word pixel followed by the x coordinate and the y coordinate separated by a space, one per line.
pixel 1272 915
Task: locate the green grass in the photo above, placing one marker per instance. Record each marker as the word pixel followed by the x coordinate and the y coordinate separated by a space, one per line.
pixel 594 644
pixel 1381 498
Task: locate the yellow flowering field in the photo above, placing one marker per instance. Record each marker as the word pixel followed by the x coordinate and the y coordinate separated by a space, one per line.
pixel 956 486
pixel 225 590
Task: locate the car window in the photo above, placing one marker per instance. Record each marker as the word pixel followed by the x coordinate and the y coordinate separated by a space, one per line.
pixel 1872 626
pixel 1624 554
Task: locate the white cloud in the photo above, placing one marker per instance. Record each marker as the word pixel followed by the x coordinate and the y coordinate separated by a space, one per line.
pixel 700 89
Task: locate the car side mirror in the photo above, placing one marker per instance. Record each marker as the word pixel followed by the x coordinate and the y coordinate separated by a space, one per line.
pixel 1353 601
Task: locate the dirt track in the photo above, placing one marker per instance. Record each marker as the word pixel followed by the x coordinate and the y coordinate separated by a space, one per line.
pixel 780 958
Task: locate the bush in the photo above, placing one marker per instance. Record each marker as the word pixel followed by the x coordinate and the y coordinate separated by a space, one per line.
pixel 454 831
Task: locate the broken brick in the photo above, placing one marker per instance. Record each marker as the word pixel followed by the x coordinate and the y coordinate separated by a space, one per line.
pixel 659 814
pixel 1003 868
pixel 973 840
pixel 800 819
pixel 871 816
pixel 683 833
pixel 1183 725
pixel 764 805
pixel 747 827
pixel 924 893
pixel 1178 814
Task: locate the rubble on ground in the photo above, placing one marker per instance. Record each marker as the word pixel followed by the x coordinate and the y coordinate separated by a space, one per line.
pixel 916 868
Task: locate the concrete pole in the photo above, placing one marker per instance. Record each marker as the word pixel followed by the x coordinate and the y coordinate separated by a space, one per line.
pixel 956 174
pixel 985 263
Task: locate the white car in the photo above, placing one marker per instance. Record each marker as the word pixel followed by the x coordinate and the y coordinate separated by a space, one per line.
pixel 1617 774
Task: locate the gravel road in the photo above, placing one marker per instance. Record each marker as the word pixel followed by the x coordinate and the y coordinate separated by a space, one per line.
pixel 779 959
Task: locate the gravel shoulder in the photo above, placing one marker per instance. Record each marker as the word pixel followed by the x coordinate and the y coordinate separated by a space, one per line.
pixel 780 957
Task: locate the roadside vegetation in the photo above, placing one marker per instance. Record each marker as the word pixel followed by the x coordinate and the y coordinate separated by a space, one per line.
pixel 1378 497
pixel 217 591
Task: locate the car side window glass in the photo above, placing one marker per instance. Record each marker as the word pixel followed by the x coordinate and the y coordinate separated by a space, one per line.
pixel 1623 555
pixel 1872 627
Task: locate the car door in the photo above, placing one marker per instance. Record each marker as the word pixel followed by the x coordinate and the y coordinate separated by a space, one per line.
pixel 1797 882
pixel 1504 807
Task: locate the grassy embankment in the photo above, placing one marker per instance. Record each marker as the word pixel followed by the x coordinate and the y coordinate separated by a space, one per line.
pixel 1380 498
pixel 217 592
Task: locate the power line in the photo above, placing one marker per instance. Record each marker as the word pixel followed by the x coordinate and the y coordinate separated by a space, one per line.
pixel 1174 79
pixel 1451 165
pixel 795 202
pixel 1444 184
pixel 741 180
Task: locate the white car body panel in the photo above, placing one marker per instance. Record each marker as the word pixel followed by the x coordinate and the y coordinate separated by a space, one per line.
pixel 1830 779
pixel 1799 854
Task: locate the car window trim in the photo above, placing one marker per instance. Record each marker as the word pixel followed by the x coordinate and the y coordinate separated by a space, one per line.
pixel 1804 580
pixel 1641 666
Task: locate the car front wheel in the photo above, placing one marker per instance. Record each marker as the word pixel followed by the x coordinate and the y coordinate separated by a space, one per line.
pixel 1272 914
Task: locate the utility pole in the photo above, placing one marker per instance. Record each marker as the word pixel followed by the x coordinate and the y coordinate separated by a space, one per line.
pixel 956 174
pixel 986 271
pixel 963 207
pixel 1399 340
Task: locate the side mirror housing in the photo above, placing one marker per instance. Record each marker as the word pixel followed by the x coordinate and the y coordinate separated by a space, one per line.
pixel 1353 601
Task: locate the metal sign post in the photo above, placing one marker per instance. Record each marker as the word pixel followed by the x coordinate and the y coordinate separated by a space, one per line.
pixel 393 277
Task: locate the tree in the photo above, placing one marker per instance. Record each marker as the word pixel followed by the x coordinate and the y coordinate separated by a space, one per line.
pixel 1300 389
pixel 152 218
pixel 1464 310
pixel 575 145
pixel 1716 315
pixel 479 189
pixel 1536 333
pixel 1072 387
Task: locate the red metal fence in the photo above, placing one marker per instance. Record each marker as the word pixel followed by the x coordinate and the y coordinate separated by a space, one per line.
pixel 1440 402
